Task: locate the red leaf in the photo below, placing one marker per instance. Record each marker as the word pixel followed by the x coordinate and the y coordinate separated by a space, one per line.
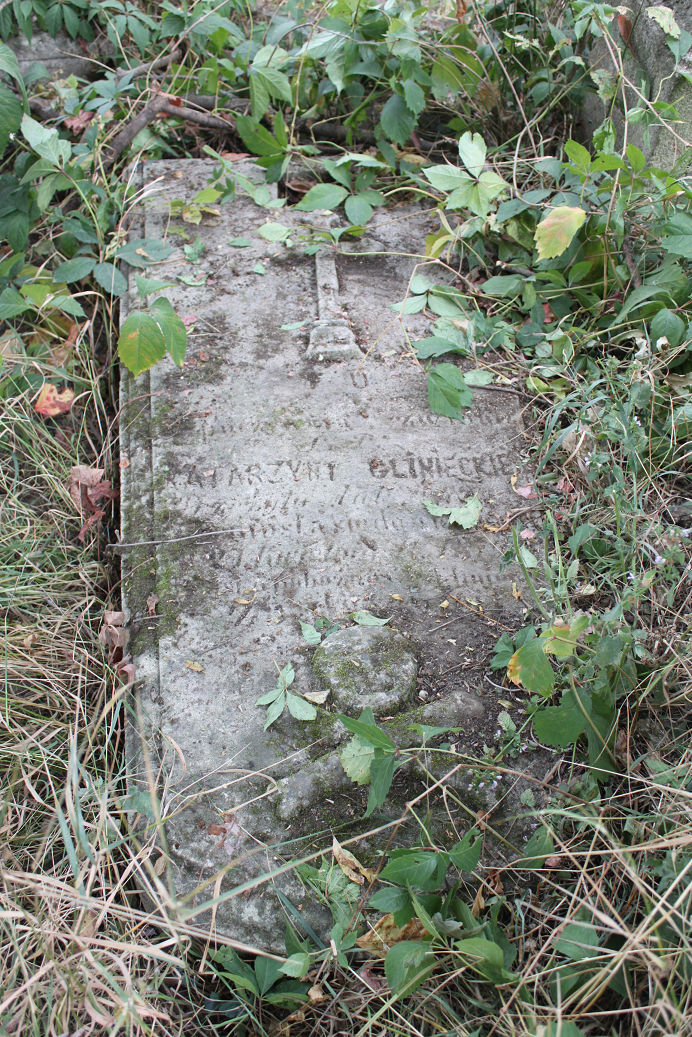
pixel 625 27
pixel 50 402
pixel 91 521
pixel 526 492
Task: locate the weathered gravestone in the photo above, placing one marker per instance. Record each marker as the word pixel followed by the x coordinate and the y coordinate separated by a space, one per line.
pixel 304 463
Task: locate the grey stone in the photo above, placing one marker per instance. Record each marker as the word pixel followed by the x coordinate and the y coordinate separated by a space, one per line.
pixel 62 56
pixel 367 666
pixel 648 61
pixel 278 489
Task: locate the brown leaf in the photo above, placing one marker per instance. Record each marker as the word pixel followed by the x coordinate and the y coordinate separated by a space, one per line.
pixel 82 475
pixel 50 402
pixel 351 867
pixel 126 667
pixel 160 865
pixel 527 534
pixel 316 994
pixel 527 492
pixel 554 863
pixel 516 591
pixel 625 27
pixel 152 602
pixel 495 882
pixel 197 667
pixel 386 933
pixel 478 904
pixel 77 123
pixel 373 980
pixel 216 830
pixel 234 156
pixel 91 521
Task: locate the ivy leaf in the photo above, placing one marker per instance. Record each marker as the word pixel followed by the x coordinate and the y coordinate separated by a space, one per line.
pixel 472 150
pixel 396 120
pixel 356 758
pixel 468 515
pixel 141 343
pixel 322 196
pixel 554 235
pixel 530 667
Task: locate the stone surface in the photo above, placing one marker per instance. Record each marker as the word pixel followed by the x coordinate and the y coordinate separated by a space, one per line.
pixel 647 59
pixel 62 56
pixel 367 666
pixel 278 488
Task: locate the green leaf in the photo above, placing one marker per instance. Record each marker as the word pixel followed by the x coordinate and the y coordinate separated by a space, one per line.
pixel 12 304
pixel 396 120
pixel 274 232
pixel 68 305
pixel 530 667
pixel 365 619
pixel 322 196
pixel 256 137
pixel 668 324
pixel 554 234
pixel 270 696
pixel 356 759
pixel 358 210
pixel 46 142
pixel 478 377
pixel 74 269
pixel 142 252
pixel 468 515
pixel 297 965
pixel 578 156
pixel 10 115
pixel 447 391
pixel 240 243
pixel 434 346
pixel 414 97
pixel 141 343
pixel 477 947
pixel 9 63
pixel 312 636
pixel 537 850
pixel 110 278
pixel 561 640
pixel 259 268
pixel 578 940
pixel 641 295
pixel 381 775
pixel 560 725
pixel 503 285
pixel 413 868
pixel 472 149
pixel 678 245
pixel 275 710
pixel 299 708
pixel 447 178
pixel 388 901
pixel 368 733
pixel 267 972
pixel 407 965
pixel 666 19
pixel 466 854
pixel 174 331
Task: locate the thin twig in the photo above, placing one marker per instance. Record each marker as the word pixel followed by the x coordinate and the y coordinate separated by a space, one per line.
pixel 176 540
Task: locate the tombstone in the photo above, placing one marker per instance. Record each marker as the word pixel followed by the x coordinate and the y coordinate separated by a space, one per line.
pixel 276 478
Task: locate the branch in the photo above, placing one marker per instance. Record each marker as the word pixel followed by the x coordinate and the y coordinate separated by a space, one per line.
pixel 143 70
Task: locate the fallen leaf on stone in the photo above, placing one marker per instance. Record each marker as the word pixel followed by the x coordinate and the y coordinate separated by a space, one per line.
pixel 516 591
pixel 364 619
pixel 527 492
pixel 216 830
pixel 243 601
pixel 113 633
pixel 234 156
pixel 50 402
pixel 318 697
pixel 351 867
pixel 152 602
pixel 374 981
pixel 197 667
pixel 397 597
pixel 124 462
pixel 386 933
pixel 188 321
pixel 513 480
pixel 316 994
pixel 444 604
pixel 160 865
pixel 527 534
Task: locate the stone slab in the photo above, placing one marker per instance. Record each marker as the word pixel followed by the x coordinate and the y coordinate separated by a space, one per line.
pixel 305 470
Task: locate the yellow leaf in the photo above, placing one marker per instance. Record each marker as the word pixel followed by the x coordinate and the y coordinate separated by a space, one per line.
pixel 194 666
pixel 506 703
pixel 554 235
pixel 444 604
pixel 397 597
pixel 516 591
pixel 351 867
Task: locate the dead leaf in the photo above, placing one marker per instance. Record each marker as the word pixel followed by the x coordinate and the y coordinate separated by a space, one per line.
pixel 625 27
pixel 564 485
pixel 216 830
pixel 232 833
pixel 318 697
pixel 113 633
pixel 91 521
pixel 513 480
pixel 444 604
pixel 495 882
pixel 527 492
pixel 506 703
pixel 160 865
pixel 554 863
pixel 235 156
pixel 152 602
pixel 77 123
pixel 188 320
pixel 386 933
pixel 478 904
pixel 10 350
pixel 397 597
pixel 50 402
pixel 316 994
pixel 516 591
pixel 126 667
pixel 124 463
pixel 351 867
pixel 29 640
pixel 527 534
pixel 376 982
pixel 141 252
pixel 197 667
